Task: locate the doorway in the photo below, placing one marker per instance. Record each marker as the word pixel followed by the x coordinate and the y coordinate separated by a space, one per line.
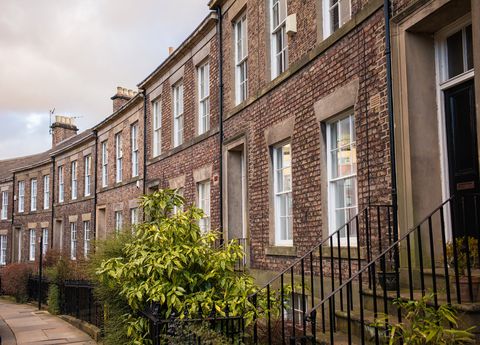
pixel 236 188
pixel 461 135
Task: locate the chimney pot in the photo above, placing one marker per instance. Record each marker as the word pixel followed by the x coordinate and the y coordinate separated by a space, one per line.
pixel 62 129
pixel 170 50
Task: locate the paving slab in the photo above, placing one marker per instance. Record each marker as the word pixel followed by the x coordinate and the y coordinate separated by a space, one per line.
pixel 25 325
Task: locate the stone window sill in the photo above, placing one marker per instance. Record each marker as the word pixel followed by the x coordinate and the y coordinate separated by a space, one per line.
pixel 281 251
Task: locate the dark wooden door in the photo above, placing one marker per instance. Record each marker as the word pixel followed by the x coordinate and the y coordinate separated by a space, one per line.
pixel 463 157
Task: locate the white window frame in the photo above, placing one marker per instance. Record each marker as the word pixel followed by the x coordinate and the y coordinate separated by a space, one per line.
pixel 88 175
pixel 118 158
pixel 3 250
pixel 280 29
pixel 46 192
pixel 203 202
pixel 118 221
pixel 73 241
pixel 241 59
pixel 44 240
pixel 157 128
pixel 31 245
pixel 74 180
pixel 280 239
pixel 33 194
pixel 134 148
pixel 332 181
pixel 21 196
pixel 104 164
pixel 4 205
pixel 61 185
pixel 203 72
pixel 134 216
pixel 178 117
pixel 86 238
pixel 327 9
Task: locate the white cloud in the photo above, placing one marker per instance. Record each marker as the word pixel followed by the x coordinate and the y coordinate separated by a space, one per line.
pixel 72 54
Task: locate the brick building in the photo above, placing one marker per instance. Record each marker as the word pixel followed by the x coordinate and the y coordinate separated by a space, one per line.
pixel 272 116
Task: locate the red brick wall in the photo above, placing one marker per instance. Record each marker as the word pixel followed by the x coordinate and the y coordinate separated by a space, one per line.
pixel 359 55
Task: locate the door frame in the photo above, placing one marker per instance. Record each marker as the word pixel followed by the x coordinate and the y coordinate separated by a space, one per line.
pixel 441 86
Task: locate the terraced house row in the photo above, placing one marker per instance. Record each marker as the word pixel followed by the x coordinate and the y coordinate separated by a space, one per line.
pixel 275 117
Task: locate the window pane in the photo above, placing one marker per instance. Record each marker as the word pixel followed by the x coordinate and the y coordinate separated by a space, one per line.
pixel 339 190
pixel 344 132
pixel 455 54
pixel 469 48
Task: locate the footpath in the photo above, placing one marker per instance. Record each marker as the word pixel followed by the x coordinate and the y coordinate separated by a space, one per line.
pixel 24 324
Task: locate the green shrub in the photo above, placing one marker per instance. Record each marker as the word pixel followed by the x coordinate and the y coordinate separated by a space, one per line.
pixel 116 306
pixel 170 262
pixel 54 299
pixel 426 325
pixel 15 281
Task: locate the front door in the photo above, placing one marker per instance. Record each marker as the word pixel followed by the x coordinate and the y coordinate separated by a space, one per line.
pixel 463 158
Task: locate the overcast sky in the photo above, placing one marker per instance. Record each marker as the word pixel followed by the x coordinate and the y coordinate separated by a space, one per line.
pixel 71 54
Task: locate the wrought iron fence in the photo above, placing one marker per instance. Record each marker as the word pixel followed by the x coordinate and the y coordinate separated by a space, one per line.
pixel 34 284
pixel 79 301
pixel 195 331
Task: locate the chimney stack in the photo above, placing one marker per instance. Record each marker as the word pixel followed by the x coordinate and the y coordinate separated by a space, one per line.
pixel 122 96
pixel 170 50
pixel 63 128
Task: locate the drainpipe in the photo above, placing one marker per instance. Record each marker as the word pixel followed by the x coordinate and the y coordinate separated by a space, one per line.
pixel 144 93
pixel 13 218
pixel 52 200
pixel 95 186
pixel 220 90
pixel 393 165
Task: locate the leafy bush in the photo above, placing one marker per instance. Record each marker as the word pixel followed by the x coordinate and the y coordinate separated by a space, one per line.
pixel 424 325
pixel 171 263
pixel 116 306
pixel 54 299
pixel 15 281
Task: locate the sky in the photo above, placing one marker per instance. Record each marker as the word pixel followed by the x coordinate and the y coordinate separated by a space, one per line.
pixel 70 56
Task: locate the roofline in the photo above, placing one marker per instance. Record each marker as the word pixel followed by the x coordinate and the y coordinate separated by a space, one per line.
pixel 211 17
pixel 121 109
pixel 31 166
pixel 21 157
pixel 74 143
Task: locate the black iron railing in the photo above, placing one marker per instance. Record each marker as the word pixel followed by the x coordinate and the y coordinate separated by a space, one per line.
pixel 438 256
pixel 34 284
pixel 319 272
pixel 195 331
pixel 79 301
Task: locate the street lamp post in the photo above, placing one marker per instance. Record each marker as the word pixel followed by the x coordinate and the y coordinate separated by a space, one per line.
pixel 40 271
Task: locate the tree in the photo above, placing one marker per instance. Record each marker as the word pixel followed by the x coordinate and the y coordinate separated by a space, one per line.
pixel 171 263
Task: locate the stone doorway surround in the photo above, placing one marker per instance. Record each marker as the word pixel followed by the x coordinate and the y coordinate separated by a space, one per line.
pixel 418 126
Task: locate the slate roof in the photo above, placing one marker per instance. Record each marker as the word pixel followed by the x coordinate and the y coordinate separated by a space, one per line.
pixel 8 166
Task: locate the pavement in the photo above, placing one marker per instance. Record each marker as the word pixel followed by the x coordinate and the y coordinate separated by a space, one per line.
pixel 24 324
